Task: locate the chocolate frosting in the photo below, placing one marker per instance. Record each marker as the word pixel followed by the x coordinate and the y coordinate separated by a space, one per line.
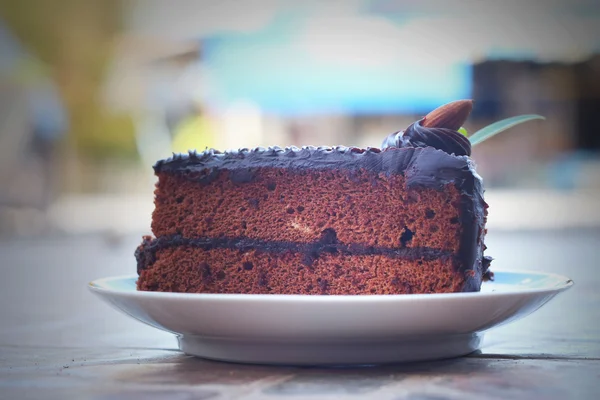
pixel 416 135
pixel 425 166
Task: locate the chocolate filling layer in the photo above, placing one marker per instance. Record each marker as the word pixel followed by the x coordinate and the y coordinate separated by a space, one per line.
pixel 146 253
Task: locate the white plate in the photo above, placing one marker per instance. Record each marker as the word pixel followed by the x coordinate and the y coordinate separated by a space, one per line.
pixel 302 329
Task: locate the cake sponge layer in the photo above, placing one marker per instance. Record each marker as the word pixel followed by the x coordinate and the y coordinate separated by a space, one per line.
pixel 274 204
pixel 222 270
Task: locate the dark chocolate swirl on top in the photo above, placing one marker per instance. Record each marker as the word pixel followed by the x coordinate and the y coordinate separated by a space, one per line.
pixel 416 135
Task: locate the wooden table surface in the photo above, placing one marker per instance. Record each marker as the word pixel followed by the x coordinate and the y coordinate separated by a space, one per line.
pixel 58 341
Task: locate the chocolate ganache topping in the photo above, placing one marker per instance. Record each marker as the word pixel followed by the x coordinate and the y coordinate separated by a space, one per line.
pixel 438 130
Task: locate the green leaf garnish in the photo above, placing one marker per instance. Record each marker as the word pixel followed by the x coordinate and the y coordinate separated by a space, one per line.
pixel 500 126
pixel 463 131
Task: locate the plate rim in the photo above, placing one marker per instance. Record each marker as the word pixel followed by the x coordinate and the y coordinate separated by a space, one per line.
pixel 98 286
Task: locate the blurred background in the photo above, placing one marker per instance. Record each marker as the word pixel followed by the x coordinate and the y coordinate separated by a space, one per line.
pixel 92 93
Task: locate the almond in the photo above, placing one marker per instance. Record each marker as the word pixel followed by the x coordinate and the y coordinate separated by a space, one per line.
pixel 450 116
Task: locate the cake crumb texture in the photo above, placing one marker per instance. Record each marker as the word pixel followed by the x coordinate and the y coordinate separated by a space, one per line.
pixel 373 209
pixel 195 270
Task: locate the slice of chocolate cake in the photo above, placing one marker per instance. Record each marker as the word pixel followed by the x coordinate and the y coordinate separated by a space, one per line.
pixel 408 218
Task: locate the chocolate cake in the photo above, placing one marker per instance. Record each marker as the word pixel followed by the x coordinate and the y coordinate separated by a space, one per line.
pixel 406 218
